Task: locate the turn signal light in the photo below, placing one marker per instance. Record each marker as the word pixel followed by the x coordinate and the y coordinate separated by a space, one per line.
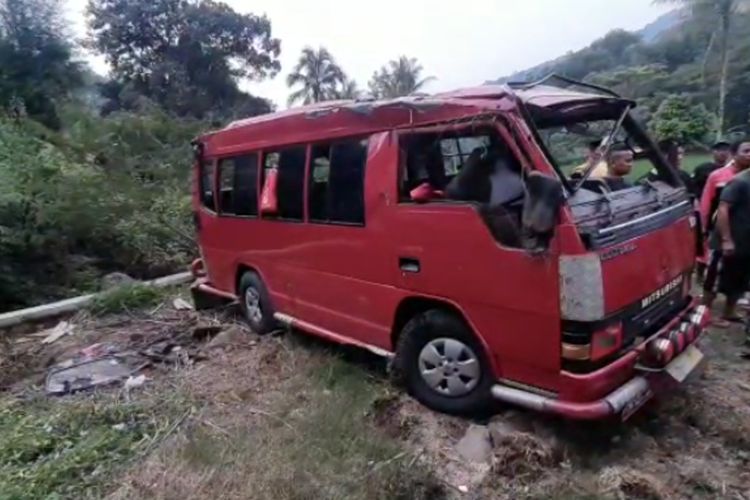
pixel 606 341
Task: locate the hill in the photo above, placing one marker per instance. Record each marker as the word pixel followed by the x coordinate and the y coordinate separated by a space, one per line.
pixel 672 56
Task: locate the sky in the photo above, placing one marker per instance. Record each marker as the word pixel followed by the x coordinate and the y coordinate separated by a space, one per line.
pixel 461 43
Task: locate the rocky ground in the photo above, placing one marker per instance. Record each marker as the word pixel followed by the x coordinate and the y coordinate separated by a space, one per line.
pixel 287 417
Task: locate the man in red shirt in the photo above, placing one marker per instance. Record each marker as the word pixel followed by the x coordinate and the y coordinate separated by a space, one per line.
pixel 720 265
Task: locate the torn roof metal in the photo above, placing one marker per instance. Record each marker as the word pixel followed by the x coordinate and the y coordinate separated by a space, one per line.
pixel 331 119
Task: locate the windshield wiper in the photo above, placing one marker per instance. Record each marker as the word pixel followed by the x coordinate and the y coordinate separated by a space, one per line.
pixel 604 147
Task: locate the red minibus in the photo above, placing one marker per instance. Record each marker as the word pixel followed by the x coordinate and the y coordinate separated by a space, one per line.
pixel 448 233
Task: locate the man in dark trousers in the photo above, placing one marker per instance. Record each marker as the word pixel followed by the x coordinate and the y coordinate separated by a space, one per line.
pixel 721 155
pixel 730 242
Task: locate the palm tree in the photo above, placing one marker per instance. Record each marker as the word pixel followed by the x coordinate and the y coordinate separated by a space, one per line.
pixel 719 12
pixel 348 90
pixel 317 74
pixel 398 78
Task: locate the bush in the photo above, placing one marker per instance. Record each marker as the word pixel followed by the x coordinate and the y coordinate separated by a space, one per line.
pixel 108 194
pixel 126 298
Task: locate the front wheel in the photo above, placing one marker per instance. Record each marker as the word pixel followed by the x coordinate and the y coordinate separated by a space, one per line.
pixel 443 365
pixel 255 303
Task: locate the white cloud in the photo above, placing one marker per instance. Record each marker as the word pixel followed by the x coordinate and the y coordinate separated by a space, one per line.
pixel 460 43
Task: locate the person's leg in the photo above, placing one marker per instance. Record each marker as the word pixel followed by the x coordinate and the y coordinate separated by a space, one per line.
pixel 730 308
pixel 732 284
pixel 711 278
pixel 700 272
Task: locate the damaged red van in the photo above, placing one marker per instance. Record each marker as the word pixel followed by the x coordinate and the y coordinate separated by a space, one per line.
pixel 446 232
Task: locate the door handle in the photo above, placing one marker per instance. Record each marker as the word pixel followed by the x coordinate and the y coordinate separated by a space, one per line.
pixel 408 264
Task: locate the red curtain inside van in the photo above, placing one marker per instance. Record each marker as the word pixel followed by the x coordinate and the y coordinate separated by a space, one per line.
pixel 269 202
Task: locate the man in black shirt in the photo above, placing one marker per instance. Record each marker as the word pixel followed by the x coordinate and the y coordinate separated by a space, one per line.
pixel 722 154
pixel 731 238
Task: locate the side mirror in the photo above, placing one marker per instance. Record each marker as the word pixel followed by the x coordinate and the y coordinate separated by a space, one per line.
pixel 541 206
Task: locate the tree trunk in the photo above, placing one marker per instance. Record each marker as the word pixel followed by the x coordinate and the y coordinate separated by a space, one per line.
pixel 725 20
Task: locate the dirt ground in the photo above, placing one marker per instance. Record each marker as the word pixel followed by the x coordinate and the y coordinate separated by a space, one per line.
pixel 287 417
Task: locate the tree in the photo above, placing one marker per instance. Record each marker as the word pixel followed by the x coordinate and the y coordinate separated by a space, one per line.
pixel 186 55
pixel 348 90
pixel 36 68
pixel 721 13
pixel 398 78
pixel 317 75
pixel 678 118
pixel 632 81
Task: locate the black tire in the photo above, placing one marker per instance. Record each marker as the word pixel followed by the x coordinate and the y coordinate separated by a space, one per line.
pixel 251 284
pixel 431 327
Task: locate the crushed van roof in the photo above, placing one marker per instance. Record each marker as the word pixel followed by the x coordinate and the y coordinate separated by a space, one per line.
pixel 332 119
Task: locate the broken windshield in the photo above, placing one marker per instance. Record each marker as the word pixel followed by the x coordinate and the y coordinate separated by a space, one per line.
pixel 600 148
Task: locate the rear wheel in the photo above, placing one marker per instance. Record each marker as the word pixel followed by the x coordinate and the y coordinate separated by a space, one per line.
pixel 255 303
pixel 443 365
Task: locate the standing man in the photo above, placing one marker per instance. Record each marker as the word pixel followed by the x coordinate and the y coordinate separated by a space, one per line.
pixel 721 155
pixel 709 202
pixel 729 265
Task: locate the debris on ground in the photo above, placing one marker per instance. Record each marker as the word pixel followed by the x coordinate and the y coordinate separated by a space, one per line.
pixel 133 382
pixel 62 329
pixel 125 348
pixel 82 374
pixel 181 304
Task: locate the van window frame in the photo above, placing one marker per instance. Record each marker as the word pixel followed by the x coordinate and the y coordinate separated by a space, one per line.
pixel 213 164
pixel 504 130
pixel 331 143
pixel 262 181
pixel 217 182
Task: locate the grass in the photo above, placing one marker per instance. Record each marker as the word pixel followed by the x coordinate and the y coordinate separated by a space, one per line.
pixel 125 298
pixel 70 448
pixel 316 439
pixel 642 167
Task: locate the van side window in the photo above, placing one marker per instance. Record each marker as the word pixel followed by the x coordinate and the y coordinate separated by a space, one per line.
pixel 238 183
pixel 290 186
pixel 206 185
pixel 473 165
pixel 337 179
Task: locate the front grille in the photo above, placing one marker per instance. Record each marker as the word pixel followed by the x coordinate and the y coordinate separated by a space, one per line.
pixel 637 322
pixel 642 322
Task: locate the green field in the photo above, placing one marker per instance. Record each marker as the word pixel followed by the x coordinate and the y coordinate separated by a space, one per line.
pixel 641 167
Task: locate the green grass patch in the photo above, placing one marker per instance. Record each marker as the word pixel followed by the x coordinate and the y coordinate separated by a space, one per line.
pixel 641 167
pixel 125 298
pixel 317 438
pixel 69 448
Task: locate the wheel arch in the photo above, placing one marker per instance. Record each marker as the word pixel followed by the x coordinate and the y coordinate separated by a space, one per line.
pixel 411 306
pixel 242 268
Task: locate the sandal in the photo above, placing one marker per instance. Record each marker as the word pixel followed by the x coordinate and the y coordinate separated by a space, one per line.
pixel 720 323
pixel 726 322
pixel 734 319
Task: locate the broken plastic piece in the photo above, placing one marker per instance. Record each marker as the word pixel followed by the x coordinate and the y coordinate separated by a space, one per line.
pixel 60 330
pixel 181 304
pixel 86 375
